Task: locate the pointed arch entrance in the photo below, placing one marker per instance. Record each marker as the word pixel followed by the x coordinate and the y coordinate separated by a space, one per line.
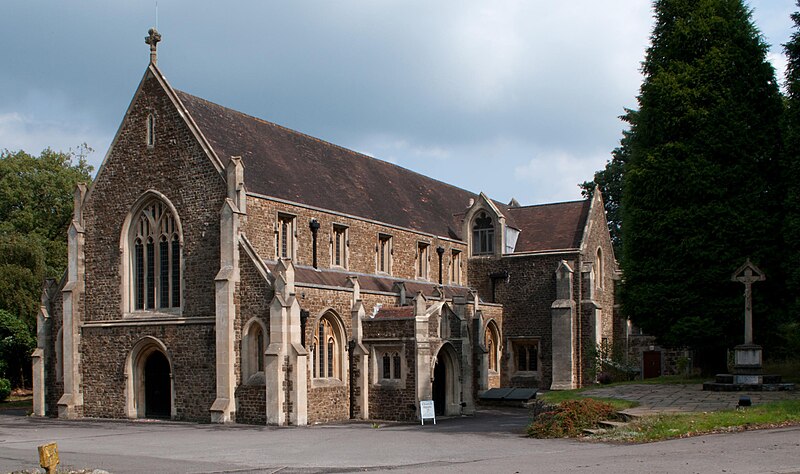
pixel 149 391
pixel 446 389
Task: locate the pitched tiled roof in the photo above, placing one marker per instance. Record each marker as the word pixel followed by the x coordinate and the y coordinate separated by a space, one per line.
pixel 338 279
pixel 395 312
pixel 550 226
pixel 289 165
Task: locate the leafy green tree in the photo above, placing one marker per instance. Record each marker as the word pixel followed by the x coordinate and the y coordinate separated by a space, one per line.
pixel 610 182
pixel 36 201
pixel 36 194
pixel 702 190
pixel 16 345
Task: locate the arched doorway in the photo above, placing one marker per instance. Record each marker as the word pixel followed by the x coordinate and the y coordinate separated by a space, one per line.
pixel 446 389
pixel 440 385
pixel 157 391
pixel 148 370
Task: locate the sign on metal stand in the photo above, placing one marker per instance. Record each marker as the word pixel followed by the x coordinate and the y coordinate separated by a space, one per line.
pixel 426 411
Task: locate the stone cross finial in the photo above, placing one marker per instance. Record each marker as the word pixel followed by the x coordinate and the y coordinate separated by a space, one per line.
pixel 748 274
pixel 152 38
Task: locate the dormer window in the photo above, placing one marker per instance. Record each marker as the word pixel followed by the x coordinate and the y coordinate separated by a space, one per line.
pixel 151 131
pixel 483 235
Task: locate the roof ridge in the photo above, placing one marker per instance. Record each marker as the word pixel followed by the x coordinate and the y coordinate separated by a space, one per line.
pixel 549 204
pixel 325 142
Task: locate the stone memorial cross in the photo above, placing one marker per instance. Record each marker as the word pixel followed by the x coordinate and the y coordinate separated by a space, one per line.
pixel 748 274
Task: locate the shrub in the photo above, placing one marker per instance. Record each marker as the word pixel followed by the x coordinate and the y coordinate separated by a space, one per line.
pixel 570 418
pixel 5 389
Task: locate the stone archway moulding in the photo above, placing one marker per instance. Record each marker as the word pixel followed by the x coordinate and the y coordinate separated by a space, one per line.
pixel 134 375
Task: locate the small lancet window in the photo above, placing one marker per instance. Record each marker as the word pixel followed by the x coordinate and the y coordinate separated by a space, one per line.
pixel 151 130
pixel 483 235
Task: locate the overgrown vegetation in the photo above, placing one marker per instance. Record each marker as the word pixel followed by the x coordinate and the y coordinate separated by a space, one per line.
pixel 657 428
pixel 570 418
pixel 609 363
pixel 559 396
pixel 5 389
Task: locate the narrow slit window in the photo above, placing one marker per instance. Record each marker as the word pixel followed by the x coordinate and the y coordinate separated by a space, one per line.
pixel 151 130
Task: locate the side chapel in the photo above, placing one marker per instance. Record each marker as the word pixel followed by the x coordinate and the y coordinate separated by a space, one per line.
pixel 225 268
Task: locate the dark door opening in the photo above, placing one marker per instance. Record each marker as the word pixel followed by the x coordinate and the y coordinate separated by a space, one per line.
pixel 440 385
pixel 157 392
pixel 651 364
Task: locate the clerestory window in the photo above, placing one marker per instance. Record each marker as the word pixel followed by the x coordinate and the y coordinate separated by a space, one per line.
pixel 284 247
pixel 156 258
pixel 339 244
pixel 384 258
pixel 423 256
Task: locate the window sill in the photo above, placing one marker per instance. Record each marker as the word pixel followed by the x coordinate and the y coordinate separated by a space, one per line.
pixel 391 384
pixel 326 382
pixel 150 314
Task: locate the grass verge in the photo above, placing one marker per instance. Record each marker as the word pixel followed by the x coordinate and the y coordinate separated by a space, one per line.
pixel 558 396
pixel 15 401
pixel 662 427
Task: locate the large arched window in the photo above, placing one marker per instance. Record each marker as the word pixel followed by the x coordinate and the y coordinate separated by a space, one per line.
pixel 482 235
pixel 492 343
pixel 154 253
pixel 327 361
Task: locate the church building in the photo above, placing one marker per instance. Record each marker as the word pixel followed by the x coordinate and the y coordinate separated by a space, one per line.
pixel 224 268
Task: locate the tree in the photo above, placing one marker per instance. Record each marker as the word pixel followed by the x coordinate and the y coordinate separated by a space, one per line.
pixel 702 189
pixel 16 345
pixel 792 221
pixel 610 182
pixel 36 201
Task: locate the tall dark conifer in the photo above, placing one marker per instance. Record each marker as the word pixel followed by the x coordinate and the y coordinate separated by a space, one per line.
pixel 702 190
pixel 792 153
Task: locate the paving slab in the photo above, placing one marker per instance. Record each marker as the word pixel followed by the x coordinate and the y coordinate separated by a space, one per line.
pixel 683 398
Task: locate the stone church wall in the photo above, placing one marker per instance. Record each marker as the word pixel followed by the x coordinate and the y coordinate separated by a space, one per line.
pixel 252 300
pixel 391 400
pixel 190 347
pixel 54 384
pixel 526 298
pixel 362 236
pixel 178 168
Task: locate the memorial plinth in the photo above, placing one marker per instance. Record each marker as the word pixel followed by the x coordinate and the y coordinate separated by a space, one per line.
pixel 748 371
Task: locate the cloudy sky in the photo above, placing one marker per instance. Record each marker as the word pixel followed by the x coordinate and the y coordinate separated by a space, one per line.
pixel 514 98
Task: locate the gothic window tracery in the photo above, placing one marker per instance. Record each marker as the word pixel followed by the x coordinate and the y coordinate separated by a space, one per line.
pixel 156 259
pixel 327 362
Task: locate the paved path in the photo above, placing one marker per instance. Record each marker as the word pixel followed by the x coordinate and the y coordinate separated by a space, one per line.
pixel 677 398
pixel 491 441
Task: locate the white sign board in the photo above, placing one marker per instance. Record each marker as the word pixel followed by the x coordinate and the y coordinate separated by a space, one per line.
pixel 427 411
